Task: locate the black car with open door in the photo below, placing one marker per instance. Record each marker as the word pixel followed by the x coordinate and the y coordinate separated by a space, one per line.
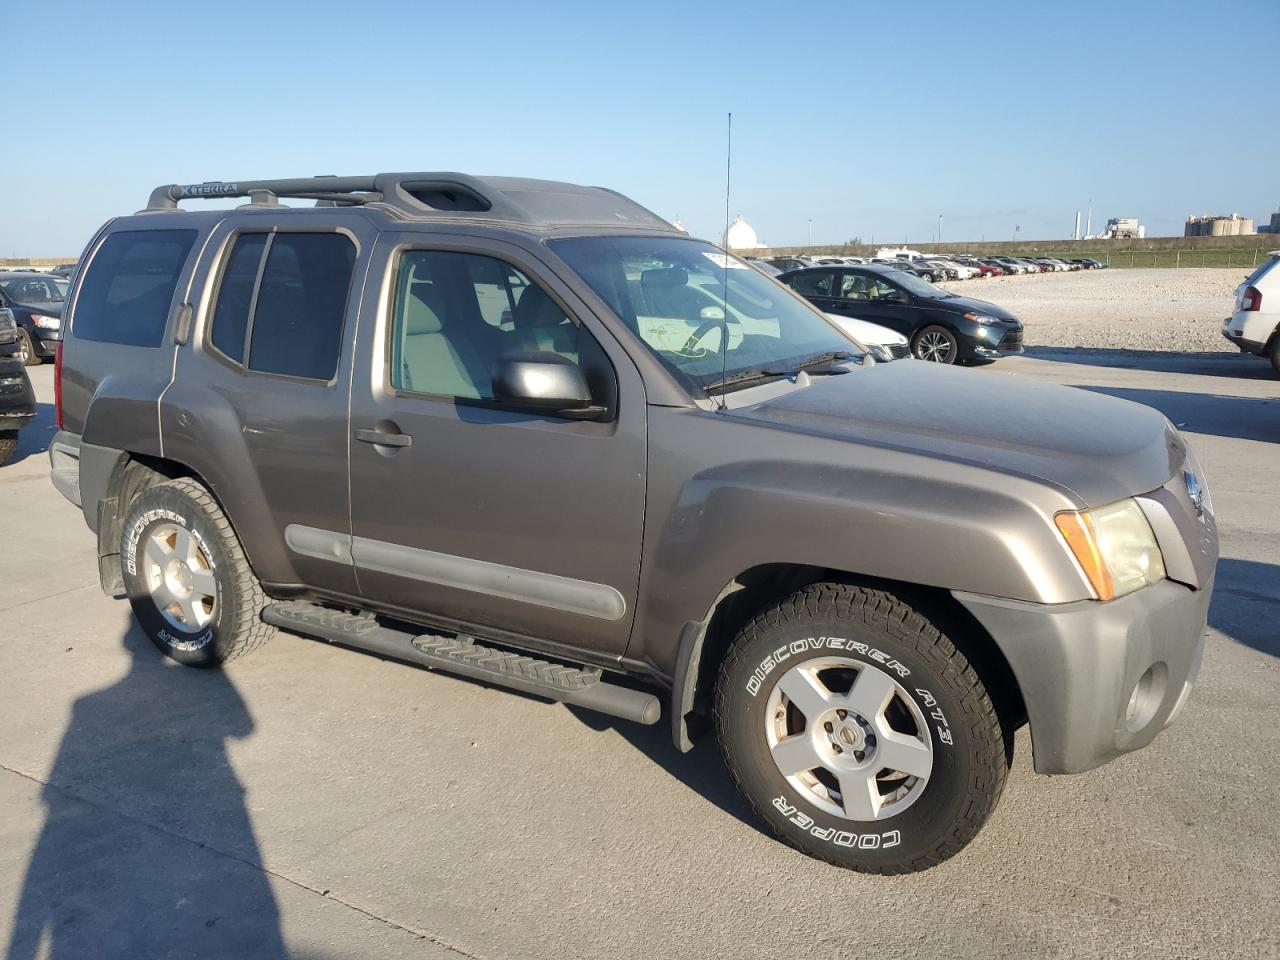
pixel 942 327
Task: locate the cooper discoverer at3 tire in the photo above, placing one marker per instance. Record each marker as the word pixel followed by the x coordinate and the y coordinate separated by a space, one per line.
pixel 858 732
pixel 187 578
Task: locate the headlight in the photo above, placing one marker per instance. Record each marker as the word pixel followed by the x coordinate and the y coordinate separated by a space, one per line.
pixel 1114 546
pixel 880 352
pixel 46 323
pixel 10 381
pixel 980 318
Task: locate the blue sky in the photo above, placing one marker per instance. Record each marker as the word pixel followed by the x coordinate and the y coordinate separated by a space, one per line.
pixel 871 119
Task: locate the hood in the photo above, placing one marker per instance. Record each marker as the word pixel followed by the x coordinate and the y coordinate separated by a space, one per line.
pixel 1096 447
pixel 965 304
pixel 48 308
pixel 865 331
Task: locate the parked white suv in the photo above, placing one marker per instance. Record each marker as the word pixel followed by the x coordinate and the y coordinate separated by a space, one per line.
pixel 1254 327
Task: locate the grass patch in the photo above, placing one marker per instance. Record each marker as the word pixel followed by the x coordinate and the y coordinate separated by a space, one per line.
pixel 1238 258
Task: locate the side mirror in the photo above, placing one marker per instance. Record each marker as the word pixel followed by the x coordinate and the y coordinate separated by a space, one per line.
pixel 547 382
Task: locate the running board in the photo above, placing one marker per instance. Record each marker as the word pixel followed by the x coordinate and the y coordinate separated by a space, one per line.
pixel 581 686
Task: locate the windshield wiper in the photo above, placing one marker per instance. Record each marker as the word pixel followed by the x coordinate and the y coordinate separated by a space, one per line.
pixel 809 363
pixel 743 377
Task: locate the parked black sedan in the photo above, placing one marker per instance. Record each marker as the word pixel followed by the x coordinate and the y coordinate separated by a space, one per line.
pixel 36 301
pixel 17 401
pixel 942 327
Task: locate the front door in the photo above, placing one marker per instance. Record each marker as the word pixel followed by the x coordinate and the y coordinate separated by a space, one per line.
pixel 868 296
pixel 472 512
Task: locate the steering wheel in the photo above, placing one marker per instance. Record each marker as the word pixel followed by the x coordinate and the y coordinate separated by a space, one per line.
pixel 705 327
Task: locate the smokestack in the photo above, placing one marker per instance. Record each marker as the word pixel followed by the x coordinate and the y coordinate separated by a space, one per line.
pixel 1075 235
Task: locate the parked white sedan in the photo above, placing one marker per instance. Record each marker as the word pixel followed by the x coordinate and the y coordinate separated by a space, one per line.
pixel 884 344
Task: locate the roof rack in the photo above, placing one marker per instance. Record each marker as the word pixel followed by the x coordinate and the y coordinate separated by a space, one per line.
pixel 434 195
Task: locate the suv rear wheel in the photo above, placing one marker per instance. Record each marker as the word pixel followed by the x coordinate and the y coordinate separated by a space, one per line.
pixel 187 578
pixel 858 732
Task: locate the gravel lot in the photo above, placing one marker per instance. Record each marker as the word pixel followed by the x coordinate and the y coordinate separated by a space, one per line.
pixel 312 802
pixel 1117 309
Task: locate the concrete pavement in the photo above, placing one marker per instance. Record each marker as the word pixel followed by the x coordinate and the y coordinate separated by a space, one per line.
pixel 315 802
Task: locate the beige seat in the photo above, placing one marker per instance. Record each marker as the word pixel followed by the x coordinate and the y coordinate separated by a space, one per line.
pixel 541 324
pixel 434 358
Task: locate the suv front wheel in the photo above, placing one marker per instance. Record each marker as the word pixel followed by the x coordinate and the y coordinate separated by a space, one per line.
pixel 187 578
pixel 858 731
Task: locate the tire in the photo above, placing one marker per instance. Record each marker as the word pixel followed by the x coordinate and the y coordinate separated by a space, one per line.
pixel 27 349
pixel 177 544
pixel 8 444
pixel 935 344
pixel 933 706
pixel 1274 355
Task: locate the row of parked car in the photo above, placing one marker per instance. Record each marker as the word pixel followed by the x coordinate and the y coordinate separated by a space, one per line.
pixel 941 267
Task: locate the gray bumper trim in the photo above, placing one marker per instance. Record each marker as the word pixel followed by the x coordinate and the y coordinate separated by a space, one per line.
pixel 1246 346
pixel 1078 663
pixel 64 463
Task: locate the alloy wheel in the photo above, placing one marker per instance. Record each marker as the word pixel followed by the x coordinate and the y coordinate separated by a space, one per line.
pixel 849 738
pixel 936 347
pixel 180 578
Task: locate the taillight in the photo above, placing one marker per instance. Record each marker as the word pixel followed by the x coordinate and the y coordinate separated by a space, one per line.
pixel 57 385
pixel 1252 299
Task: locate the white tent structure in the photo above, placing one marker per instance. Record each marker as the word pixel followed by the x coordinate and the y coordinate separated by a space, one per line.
pixel 742 236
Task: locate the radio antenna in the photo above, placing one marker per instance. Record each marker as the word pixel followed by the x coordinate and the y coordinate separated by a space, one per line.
pixel 724 323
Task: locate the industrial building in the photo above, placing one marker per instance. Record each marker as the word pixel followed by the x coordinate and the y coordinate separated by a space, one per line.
pixel 1213 226
pixel 1120 227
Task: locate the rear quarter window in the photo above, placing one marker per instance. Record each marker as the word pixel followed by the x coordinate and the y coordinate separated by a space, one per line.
pixel 126 294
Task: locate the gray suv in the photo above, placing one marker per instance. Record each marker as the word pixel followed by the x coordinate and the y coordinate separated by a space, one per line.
pixel 530 433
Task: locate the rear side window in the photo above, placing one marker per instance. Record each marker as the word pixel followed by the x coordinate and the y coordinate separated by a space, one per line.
pixel 1265 268
pixel 282 301
pixel 812 283
pixel 235 295
pixel 126 294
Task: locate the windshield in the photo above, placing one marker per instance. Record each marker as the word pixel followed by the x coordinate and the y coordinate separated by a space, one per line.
pixel 672 293
pixel 43 289
pixel 920 287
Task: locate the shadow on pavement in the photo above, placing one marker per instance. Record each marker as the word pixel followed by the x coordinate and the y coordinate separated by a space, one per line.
pixel 147 848
pixel 1246 604
pixel 35 437
pixel 1204 363
pixel 702 770
pixel 1244 418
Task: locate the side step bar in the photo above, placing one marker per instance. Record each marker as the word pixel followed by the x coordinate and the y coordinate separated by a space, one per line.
pixel 581 686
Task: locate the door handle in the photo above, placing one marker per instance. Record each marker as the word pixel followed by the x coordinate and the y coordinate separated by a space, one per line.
pixel 384 439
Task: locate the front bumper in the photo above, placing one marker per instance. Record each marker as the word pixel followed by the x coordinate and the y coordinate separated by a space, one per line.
pixel 44 341
pixel 17 399
pixel 1079 664
pixel 988 347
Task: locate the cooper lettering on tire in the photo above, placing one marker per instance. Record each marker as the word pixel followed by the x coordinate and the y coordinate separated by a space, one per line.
pixel 857 730
pixel 187 577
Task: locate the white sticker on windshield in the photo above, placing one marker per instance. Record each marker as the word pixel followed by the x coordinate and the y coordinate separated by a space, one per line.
pixel 720 260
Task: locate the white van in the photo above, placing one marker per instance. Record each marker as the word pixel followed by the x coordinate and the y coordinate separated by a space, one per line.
pixel 1254 327
pixel 899 253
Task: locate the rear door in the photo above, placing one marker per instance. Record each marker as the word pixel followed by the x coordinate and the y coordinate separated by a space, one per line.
pixel 258 405
pixel 469 512
pixel 816 286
